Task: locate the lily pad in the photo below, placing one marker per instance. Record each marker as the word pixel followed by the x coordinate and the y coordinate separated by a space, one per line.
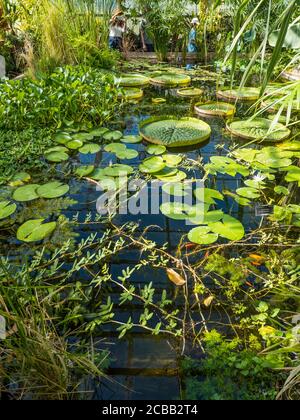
pixel 178 177
pixel 152 165
pixel 90 148
pixel 259 129
pixel 202 236
pixel 53 189
pixel 230 228
pixel 169 79
pixel 248 192
pixel 98 132
pixel 217 109
pixel 279 189
pixel 176 211
pixel 56 157
pixel 207 195
pixel 62 138
pixel 156 150
pixel 173 132
pixel 98 174
pixel 172 160
pixel 7 209
pixel 26 193
pixel 240 94
pixel 130 94
pixel 83 171
pixel 189 92
pixel 19 179
pixel 132 80
pixel 158 101
pixel 127 154
pixel 35 230
pixel 118 170
pixel 131 139
pixel 112 135
pixel 74 144
pixel 201 216
pixel 176 189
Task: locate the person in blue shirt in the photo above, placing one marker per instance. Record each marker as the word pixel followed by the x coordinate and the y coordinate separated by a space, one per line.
pixel 192 45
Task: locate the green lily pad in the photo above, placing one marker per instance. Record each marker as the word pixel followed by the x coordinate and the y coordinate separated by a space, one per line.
pixel 156 150
pixel 26 193
pixel 158 101
pixel 293 174
pixel 127 154
pixel 201 216
pixel 98 174
pixel 112 136
pixel 247 155
pixel 274 158
pixel 112 184
pixel 83 171
pixel 239 94
pixel 132 80
pixel 218 109
pixel 35 230
pixel 98 132
pixel 131 139
pixel 176 211
pixel 248 192
pixel 202 236
pixel 178 189
pixel 172 160
pixel 118 170
pixel 62 138
pixel 56 157
pixel 281 190
pixel 7 209
pixel 53 189
pixel 259 129
pixel 173 132
pixel 189 92
pixel 230 228
pixel 207 195
pixel 169 79
pixel 256 184
pixel 19 179
pixel 152 165
pixel 225 165
pixel 178 177
pixel 59 149
pixel 90 148
pixel 131 94
pixel 75 144
pixel 115 148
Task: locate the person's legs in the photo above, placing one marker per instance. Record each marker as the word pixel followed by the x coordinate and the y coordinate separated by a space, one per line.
pixel 112 42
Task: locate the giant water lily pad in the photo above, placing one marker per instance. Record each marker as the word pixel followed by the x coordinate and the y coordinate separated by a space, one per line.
pixel 173 132
pixel 189 92
pixel 169 79
pixel 230 228
pixel 259 129
pixel 240 94
pixel 133 80
pixel 152 165
pixel 90 148
pixel 202 235
pixel 7 209
pixel 35 230
pixel 26 193
pixel 131 94
pixel 217 109
pixel 53 189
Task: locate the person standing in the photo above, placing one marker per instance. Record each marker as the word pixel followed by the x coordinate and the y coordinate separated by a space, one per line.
pixel 192 44
pixel 116 33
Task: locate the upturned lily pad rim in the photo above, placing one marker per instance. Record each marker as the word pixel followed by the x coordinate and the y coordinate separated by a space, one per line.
pixel 217 112
pixel 179 79
pixel 151 120
pixel 143 80
pixel 233 94
pixel 183 92
pixel 132 93
pixel 237 133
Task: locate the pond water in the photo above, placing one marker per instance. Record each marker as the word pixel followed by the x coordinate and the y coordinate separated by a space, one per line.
pixel 143 366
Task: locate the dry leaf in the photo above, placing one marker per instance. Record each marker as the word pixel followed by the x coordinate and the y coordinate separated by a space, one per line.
pixel 175 277
pixel 208 301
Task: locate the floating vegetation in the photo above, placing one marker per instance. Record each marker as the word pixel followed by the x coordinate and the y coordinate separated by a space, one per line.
pixel 259 129
pixel 132 80
pixel 172 132
pixel 189 92
pixel 169 79
pixel 35 230
pixel 131 94
pixel 239 94
pixel 217 109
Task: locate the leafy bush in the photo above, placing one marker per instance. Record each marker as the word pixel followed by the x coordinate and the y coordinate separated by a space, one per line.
pixel 69 94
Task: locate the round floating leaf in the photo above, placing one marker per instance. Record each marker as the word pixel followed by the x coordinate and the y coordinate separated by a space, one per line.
pixel 7 209
pixel 112 184
pixel 118 170
pixel 53 189
pixel 98 132
pixel 112 136
pixel 26 193
pixel 131 94
pixel 75 144
pixel 115 147
pixel 154 149
pixel 230 228
pixel 256 184
pixel 90 148
pixel 56 157
pixel 60 149
pixel 83 171
pixel 158 101
pixel 127 154
pixel 166 172
pixel 178 177
pixel 82 137
pixel 132 80
pixel 152 165
pixel 274 158
pixel 248 192
pixel 240 94
pixel 281 190
pixel 62 138
pixel 293 174
pixel 173 132
pixel 172 160
pixel 19 179
pixel 131 139
pixel 176 211
pixel 217 109
pixel 170 79
pixel 201 216
pixel 207 195
pixel 189 92
pixel 177 189
pixel 98 174
pixel 201 235
pixel 259 129
pixel 35 230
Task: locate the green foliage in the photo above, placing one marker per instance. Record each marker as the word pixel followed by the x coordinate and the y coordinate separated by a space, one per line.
pixel 75 94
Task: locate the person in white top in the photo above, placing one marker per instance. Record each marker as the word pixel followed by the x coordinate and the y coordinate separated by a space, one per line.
pixel 116 33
